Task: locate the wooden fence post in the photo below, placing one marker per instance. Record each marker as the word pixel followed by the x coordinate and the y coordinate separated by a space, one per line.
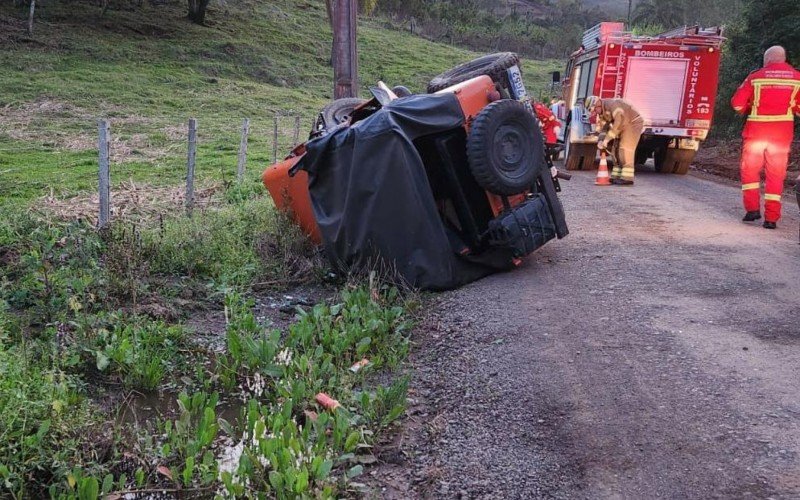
pixel 190 161
pixel 243 150
pixel 275 140
pixel 104 175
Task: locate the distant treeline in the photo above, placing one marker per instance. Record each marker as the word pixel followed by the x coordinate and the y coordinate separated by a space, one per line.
pixel 541 28
pixel 552 29
pixel 762 23
pixel 537 28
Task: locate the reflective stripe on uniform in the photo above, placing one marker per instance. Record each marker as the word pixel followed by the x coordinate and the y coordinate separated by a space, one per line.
pixel 793 100
pixel 771 118
pixel 758 84
pixel 751 185
pixel 772 197
pixel 775 81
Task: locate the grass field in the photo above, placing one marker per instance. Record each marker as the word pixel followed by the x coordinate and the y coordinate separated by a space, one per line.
pixel 90 320
pixel 149 70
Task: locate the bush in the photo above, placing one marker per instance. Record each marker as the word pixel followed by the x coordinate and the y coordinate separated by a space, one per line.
pixel 135 351
pixel 763 24
pixel 41 417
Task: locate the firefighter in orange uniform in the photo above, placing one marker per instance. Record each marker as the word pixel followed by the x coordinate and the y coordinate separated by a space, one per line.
pixel 770 97
pixel 548 123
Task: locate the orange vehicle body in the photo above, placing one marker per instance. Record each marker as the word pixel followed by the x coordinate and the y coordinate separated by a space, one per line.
pixel 290 193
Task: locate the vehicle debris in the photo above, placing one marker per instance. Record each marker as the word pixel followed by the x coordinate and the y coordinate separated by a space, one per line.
pixel 359 365
pixel 326 401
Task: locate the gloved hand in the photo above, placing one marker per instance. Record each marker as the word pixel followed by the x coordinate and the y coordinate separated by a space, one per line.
pixel 602 145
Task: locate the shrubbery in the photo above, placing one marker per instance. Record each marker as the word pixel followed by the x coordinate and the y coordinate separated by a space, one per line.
pixel 763 24
pixel 78 325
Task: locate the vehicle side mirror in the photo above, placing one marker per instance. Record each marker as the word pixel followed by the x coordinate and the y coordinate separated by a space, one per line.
pixel 556 76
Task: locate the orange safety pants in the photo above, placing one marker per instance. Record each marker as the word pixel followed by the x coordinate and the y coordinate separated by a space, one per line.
pixel 770 155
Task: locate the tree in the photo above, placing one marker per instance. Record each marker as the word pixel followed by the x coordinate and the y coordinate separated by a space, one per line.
pixel 197 11
pixel 670 14
pixel 763 23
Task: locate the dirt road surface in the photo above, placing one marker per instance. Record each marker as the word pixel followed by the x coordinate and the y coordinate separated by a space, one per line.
pixel 654 353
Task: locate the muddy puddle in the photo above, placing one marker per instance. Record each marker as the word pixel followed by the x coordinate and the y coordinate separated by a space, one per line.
pixel 272 310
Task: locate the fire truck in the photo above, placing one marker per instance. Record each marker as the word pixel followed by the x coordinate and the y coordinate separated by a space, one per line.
pixel 671 79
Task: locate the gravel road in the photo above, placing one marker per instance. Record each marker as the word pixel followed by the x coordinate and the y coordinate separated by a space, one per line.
pixel 654 353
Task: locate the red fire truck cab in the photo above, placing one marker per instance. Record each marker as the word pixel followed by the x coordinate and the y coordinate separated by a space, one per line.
pixel 671 79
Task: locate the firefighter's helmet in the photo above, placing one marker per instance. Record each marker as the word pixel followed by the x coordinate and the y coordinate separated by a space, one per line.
pixel 591 102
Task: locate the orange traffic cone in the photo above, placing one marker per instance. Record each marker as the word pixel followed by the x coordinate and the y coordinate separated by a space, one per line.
pixel 603 179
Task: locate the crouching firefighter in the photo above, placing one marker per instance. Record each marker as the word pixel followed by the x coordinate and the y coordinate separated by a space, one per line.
pixel 547 121
pixel 550 128
pixel 618 121
pixel 770 97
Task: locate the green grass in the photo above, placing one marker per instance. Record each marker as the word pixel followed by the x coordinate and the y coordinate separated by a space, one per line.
pixel 149 70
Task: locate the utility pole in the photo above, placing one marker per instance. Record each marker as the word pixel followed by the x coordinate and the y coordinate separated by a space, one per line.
pixel 345 50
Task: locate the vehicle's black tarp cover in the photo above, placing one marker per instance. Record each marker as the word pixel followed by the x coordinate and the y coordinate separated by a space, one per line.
pixel 372 199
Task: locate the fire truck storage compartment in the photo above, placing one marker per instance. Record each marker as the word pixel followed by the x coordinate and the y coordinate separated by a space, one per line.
pixel 656 87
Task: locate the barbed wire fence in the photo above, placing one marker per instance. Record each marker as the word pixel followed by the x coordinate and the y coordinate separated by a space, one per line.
pixel 285 136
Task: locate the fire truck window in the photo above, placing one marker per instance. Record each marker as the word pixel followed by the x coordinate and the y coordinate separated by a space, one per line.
pixel 592 75
pixel 584 84
pixel 573 85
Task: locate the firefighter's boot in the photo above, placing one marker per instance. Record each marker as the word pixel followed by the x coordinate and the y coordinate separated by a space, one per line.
pixel 770 225
pixel 752 215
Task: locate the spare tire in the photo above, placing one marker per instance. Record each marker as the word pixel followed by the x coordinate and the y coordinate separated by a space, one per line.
pixel 335 113
pixel 492 65
pixel 505 148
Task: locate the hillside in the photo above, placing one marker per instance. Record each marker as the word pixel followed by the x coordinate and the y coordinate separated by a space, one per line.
pixel 148 70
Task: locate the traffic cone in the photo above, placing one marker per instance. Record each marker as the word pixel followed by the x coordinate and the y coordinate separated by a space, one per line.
pixel 603 179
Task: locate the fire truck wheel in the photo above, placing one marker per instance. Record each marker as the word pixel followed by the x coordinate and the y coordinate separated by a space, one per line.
pixel 335 113
pixel 581 156
pixel 674 161
pixel 642 155
pixel 492 65
pixel 505 148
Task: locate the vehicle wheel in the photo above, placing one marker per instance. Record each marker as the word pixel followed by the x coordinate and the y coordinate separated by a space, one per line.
pixel 581 156
pixel 642 155
pixel 505 148
pixel 336 113
pixel 492 65
pixel 660 161
pixel 674 161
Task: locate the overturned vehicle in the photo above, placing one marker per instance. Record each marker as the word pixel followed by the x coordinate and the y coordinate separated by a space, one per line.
pixel 441 188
